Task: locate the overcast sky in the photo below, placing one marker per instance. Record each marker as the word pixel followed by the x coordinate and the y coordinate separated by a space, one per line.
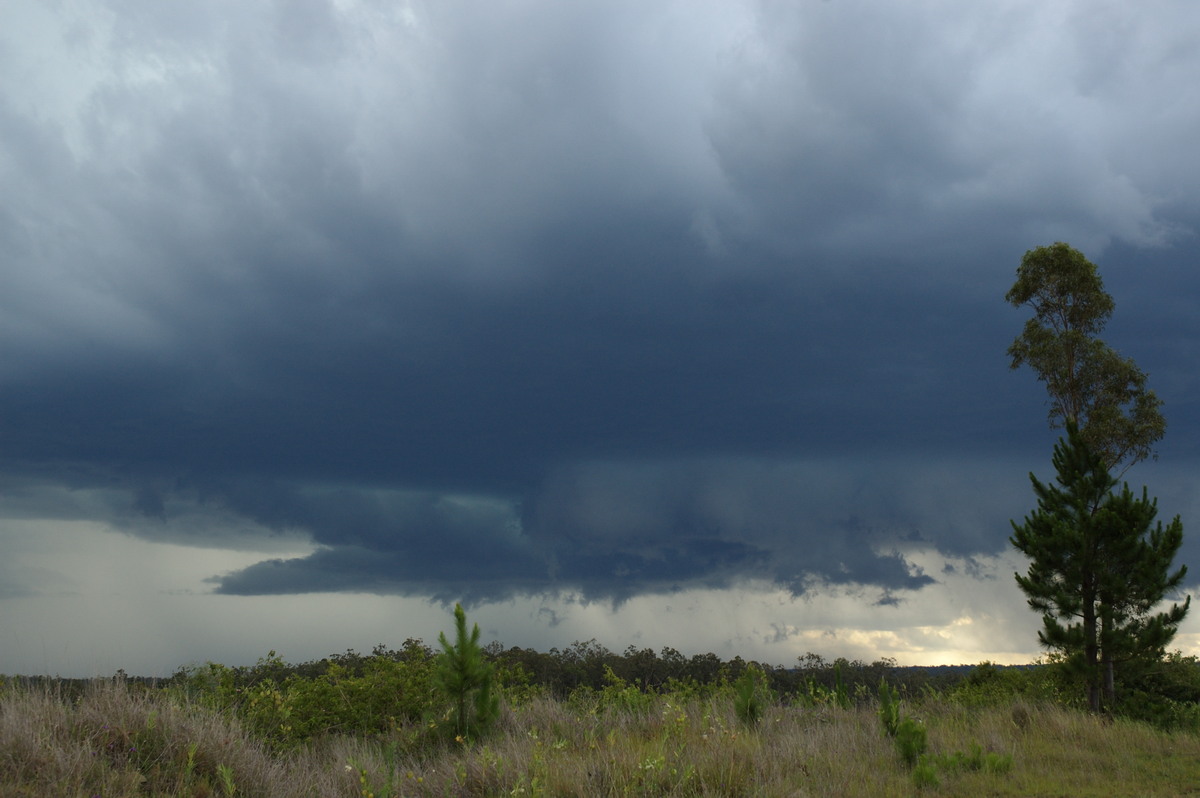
pixel 665 324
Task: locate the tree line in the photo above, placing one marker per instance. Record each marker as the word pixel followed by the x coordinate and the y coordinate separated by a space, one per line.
pixel 592 666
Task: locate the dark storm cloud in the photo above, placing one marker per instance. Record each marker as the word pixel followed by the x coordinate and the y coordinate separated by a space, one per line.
pixel 600 536
pixel 571 297
pixel 614 530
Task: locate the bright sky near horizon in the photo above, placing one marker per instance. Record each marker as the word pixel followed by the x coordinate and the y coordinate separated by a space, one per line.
pixel 664 324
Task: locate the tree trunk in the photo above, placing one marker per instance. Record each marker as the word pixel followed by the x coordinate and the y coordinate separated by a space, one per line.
pixel 1107 659
pixel 1091 651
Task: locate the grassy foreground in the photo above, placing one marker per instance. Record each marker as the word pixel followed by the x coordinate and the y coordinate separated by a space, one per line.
pixel 118 740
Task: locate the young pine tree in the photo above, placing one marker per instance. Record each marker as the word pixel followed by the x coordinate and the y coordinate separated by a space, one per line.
pixel 1098 568
pixel 466 679
pixel 1137 555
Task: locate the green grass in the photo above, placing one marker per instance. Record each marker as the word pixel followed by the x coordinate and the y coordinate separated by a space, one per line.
pixel 120 741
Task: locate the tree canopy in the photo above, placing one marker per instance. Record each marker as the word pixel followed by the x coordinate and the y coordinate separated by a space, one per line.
pixel 1099 565
pixel 1088 381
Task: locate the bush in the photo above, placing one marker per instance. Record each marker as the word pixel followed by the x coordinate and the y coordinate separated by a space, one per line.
pixel 889 708
pixel 909 733
pixel 386 694
pixel 816 694
pixel 989 685
pixel 911 740
pixel 925 774
pixel 748 702
pixel 1159 711
pixel 1164 693
pixel 373 695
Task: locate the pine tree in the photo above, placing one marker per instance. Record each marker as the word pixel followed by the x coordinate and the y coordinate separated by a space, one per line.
pixel 1097 567
pixel 1137 555
pixel 466 678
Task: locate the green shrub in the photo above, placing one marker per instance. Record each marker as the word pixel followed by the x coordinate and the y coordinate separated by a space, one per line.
pixel 388 693
pixel 889 708
pixel 361 696
pixel 816 694
pixel 997 763
pixel 1159 711
pixel 1173 676
pixel 989 685
pixel 925 774
pixel 911 740
pixel 973 760
pixel 748 702
pixel 1164 692
pixel 616 697
pixel 908 733
pixel 517 685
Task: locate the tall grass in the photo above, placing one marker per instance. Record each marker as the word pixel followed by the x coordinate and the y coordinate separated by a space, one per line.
pixel 118 740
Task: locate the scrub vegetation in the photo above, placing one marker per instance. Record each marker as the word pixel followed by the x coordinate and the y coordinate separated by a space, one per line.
pixel 587 722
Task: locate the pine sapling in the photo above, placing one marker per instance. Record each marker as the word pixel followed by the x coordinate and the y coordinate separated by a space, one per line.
pixel 889 708
pixel 465 678
pixel 841 696
pixel 748 702
pixel 911 740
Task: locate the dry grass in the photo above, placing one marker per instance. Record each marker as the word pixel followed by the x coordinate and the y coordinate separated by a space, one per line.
pixel 115 741
pixel 119 742
pixel 700 750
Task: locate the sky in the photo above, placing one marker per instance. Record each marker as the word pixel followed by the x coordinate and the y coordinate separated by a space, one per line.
pixel 660 324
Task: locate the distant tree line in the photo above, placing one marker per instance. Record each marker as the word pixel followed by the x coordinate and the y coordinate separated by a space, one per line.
pixel 587 664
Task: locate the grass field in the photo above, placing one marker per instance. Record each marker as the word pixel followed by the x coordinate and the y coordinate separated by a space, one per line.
pixel 119 740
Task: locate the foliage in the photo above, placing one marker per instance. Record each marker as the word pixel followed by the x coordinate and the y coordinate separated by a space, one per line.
pixel 388 690
pixel 1088 382
pixel 466 679
pixel 925 775
pixel 1163 692
pixel 1174 676
pixel 911 740
pixel 348 695
pixel 989 685
pixel 616 696
pixel 974 759
pixel 749 701
pixel 386 693
pixel 1098 568
pixel 908 733
pixel 837 693
pixel 1160 711
pixel 560 672
pixel 889 709
pixel 927 768
pixel 126 740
